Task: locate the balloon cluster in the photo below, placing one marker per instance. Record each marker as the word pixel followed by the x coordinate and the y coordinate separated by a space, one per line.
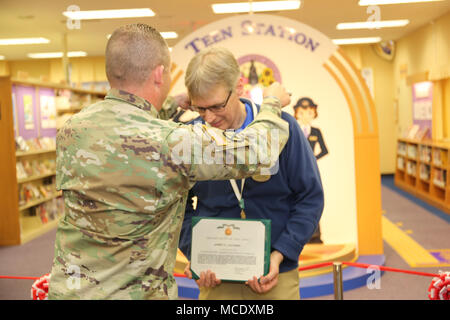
pixel 439 288
pixel 39 289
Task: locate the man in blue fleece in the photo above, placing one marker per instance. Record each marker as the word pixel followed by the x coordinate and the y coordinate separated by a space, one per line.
pixel 292 198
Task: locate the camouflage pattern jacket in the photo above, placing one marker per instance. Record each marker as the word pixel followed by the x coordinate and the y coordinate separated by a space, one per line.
pixel 125 174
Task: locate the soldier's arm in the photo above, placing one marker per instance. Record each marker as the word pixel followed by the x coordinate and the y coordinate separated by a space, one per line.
pixel 168 109
pixel 171 104
pixel 213 154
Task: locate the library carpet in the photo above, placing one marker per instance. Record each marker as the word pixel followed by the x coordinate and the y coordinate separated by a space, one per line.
pixel 423 224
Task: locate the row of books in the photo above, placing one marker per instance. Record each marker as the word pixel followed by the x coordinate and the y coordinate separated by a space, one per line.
pixel 32 191
pixel 67 99
pixel 26 168
pixel 49 211
pixel 426 153
pixel 36 144
pixel 416 132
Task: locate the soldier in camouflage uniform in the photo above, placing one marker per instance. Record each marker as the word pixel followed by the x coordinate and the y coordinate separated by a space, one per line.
pixel 124 186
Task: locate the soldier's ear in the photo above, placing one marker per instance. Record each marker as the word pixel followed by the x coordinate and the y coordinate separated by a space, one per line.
pixel 157 74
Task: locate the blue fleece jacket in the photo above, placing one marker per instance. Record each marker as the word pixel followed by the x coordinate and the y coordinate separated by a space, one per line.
pixel 292 198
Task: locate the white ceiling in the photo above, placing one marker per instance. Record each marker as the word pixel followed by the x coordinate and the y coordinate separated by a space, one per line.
pixel 43 18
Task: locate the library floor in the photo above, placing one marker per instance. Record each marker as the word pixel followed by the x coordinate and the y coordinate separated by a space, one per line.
pixel 423 232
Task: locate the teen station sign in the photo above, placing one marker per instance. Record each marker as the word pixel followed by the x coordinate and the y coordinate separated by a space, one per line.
pixel 318 74
pixel 250 27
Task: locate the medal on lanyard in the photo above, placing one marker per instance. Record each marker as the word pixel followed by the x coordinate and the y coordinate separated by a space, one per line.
pixel 239 196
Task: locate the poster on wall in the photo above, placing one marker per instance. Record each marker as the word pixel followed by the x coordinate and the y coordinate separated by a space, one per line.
pixel 48 112
pixel 422 104
pixel 273 48
pixel 28 111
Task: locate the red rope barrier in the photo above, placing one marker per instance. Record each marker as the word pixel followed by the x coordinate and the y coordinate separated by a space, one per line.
pixel 315 266
pixel 19 278
pixel 365 265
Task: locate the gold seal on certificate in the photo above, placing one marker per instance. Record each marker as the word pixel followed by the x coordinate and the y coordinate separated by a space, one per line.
pixel 234 249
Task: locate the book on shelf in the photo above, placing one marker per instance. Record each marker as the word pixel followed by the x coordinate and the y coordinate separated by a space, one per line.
pixel 401 163
pixel 412 151
pixel 440 178
pixel 421 134
pixel 439 157
pixel 425 153
pixel 411 168
pixel 424 172
pixel 401 148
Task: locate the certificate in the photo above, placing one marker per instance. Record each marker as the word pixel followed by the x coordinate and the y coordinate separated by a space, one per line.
pixel 234 249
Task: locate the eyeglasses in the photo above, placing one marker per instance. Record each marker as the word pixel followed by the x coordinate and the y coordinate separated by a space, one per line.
pixel 215 108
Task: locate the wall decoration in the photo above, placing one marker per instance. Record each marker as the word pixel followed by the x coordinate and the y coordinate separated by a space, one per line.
pixel 28 111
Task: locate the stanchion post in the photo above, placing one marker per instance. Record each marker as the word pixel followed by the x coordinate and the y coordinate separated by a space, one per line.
pixel 337 279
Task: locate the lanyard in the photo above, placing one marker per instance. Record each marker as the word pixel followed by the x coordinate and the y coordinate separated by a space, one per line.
pixel 239 195
pixel 233 181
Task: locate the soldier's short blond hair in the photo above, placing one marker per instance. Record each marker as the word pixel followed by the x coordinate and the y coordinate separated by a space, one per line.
pixel 132 52
pixel 211 67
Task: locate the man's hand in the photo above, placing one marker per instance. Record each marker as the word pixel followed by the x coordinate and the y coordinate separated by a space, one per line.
pixel 207 279
pixel 183 101
pixel 268 282
pixel 278 91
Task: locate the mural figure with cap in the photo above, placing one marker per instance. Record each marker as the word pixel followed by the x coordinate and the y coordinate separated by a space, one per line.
pixel 305 111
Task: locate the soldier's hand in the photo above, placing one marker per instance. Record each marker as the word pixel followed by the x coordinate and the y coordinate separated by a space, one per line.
pixel 277 90
pixel 183 101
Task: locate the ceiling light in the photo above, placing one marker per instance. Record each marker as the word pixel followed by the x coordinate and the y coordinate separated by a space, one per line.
pixel 169 35
pixel 372 24
pixel 7 42
pixel 109 14
pixel 47 55
pixel 2 57
pixel 382 2
pixel 356 40
pixel 255 6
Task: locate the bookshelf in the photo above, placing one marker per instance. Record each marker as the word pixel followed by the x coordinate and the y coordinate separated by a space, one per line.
pixel 422 170
pixel 31 205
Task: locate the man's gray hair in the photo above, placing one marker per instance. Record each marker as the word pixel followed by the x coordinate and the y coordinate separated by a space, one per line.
pixel 132 52
pixel 209 68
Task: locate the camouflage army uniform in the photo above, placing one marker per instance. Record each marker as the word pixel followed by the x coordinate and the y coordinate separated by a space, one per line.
pixel 125 196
